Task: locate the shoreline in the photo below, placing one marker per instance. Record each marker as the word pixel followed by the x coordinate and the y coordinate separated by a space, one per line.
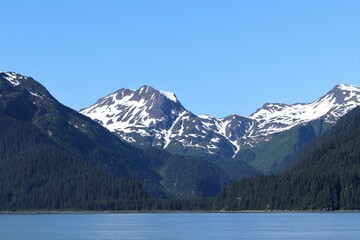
pixel 70 212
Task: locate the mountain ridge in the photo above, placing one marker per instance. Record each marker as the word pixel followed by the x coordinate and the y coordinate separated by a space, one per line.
pixel 185 133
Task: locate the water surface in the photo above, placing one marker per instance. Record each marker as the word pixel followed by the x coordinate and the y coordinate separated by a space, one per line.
pixel 181 226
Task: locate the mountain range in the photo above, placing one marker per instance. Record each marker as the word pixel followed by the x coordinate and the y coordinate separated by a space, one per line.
pixel 53 157
pixel 49 149
pixel 152 118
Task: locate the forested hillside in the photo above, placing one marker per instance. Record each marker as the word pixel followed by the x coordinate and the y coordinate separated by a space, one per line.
pixel 326 178
pixel 37 174
pixel 52 157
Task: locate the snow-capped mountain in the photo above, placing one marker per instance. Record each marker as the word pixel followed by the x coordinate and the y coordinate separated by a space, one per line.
pixel 146 113
pixel 275 118
pixel 149 117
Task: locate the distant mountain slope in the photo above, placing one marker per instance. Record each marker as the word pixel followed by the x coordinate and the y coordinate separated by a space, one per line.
pixel 149 117
pixel 327 177
pixel 277 155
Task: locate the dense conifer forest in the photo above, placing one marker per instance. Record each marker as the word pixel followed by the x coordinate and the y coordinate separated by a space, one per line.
pixel 327 177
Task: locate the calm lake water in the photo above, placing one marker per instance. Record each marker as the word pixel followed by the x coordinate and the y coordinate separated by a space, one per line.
pixel 182 226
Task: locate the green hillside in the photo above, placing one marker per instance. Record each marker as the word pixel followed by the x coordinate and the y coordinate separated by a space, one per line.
pixel 276 155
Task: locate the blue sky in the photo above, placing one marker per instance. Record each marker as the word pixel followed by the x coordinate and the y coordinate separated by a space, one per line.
pixel 219 57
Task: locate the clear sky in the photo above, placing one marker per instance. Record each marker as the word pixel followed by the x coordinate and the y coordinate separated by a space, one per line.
pixel 219 57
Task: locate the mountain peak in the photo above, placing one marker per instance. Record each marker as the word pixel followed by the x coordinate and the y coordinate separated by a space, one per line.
pixel 148 90
pixel 347 87
pixel 145 89
pixel 345 94
pixel 25 83
pixel 127 110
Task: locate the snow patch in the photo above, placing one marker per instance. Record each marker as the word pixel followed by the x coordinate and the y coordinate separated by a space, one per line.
pixel 215 140
pixel 11 77
pixel 168 133
pixel 171 96
pixel 347 87
pixel 35 94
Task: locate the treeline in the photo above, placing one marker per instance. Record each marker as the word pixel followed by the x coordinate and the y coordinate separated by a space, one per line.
pixel 327 178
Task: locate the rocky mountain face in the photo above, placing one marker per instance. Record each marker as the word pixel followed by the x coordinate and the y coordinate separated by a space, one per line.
pixel 141 116
pixel 151 118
